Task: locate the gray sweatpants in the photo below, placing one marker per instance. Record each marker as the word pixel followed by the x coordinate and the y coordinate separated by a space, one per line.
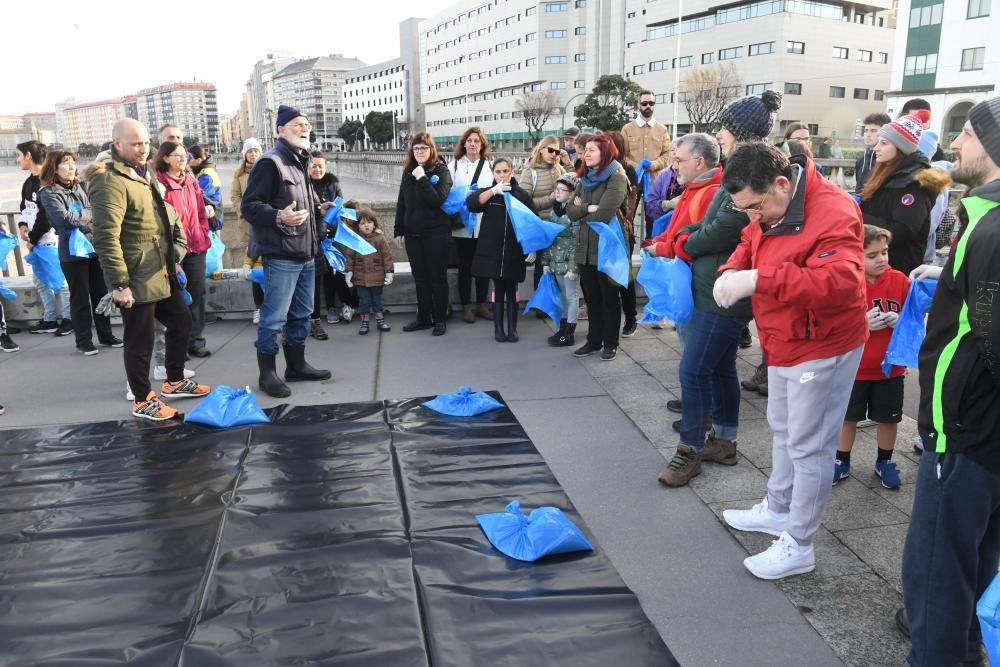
pixel 805 408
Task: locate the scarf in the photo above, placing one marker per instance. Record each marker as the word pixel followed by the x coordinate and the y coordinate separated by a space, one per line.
pixel 593 178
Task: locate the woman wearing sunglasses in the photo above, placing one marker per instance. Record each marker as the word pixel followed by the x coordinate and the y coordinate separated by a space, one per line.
pixel 539 178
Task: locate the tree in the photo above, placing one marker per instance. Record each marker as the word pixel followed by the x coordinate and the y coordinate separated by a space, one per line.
pixel 351 131
pixel 704 91
pixel 610 105
pixel 379 125
pixel 536 109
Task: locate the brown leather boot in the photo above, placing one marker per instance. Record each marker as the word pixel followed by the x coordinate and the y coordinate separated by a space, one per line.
pixel 484 311
pixel 467 314
pixel 719 451
pixel 685 465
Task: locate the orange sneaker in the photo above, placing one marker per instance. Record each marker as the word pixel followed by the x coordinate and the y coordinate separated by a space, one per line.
pixel 184 389
pixel 153 409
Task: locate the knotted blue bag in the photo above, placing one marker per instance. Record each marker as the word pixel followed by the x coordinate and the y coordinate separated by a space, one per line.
pixel 213 258
pixel 532 232
pixel 337 211
pixel 660 224
pixel 334 257
pixel 545 532
pixel 463 404
pixel 44 260
pixel 79 244
pixel 667 283
pixel 612 252
pixel 7 245
pixel 183 282
pixel 908 336
pixel 988 611
pixel 225 407
pixel 642 174
pixel 457 204
pixel 547 298
pixel 7 292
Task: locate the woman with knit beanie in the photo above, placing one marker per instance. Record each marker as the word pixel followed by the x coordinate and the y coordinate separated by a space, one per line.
pixel 902 189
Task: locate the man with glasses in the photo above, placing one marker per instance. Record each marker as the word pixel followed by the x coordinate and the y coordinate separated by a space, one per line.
pixel 285 229
pixel 801 258
pixel 647 140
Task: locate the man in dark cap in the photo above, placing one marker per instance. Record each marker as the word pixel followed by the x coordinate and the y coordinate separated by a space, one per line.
pixel 953 544
pixel 280 205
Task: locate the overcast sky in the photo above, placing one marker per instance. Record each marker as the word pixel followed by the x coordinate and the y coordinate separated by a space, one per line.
pixel 96 50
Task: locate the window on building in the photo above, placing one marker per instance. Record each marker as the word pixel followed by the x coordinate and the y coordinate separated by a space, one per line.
pixel 841 52
pixel 530 62
pixel 578 83
pixel 556 34
pixel 557 7
pixel 530 37
pixel 836 91
pixel 631 15
pixel 730 53
pixel 879 95
pixel 793 88
pixel 530 11
pixel 557 85
pixel 929 15
pixel 925 64
pixel 978 9
pixel 658 65
pixel 758 88
pixel 796 47
pixel 707 58
pixel 864 56
pixel 861 93
pixel 580 4
pixel 535 87
pixel 639 69
pixel 683 61
pixel 555 60
pixel 883 57
pixel 582 30
pixel 662 98
pixel 762 48
pixel 680 97
pixel 580 57
pixel 972 59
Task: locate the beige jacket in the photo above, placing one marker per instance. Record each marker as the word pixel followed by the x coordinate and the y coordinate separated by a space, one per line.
pixel 652 141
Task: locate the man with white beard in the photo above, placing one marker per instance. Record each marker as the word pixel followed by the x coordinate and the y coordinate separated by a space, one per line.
pixel 280 205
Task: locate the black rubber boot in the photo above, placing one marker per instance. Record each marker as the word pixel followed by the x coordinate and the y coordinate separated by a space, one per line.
pixel 568 337
pixel 498 332
pixel 296 368
pixel 512 307
pixel 269 382
pixel 557 336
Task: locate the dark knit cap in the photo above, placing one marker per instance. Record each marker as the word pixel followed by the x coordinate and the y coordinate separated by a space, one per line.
pixel 286 115
pixel 985 121
pixel 752 117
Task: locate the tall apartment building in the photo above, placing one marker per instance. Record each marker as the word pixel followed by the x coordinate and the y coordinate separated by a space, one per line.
pixel 131 106
pixel 829 59
pixel 478 58
pixel 315 86
pixel 60 129
pixel 91 122
pixel 262 104
pixel 943 55
pixel 192 106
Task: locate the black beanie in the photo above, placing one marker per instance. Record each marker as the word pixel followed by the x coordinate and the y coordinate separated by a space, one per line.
pixel 286 115
pixel 752 117
pixel 985 120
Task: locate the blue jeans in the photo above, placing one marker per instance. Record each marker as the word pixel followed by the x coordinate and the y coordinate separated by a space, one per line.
pixel 48 297
pixel 709 383
pixel 288 302
pixel 369 300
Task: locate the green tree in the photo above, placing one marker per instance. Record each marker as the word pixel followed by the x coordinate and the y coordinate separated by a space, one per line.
pixel 610 105
pixel 351 131
pixel 379 125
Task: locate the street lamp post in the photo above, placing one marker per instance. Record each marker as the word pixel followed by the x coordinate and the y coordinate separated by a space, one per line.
pixel 562 124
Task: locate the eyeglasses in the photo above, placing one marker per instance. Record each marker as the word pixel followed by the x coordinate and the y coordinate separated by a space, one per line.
pixel 421 149
pixel 301 125
pixel 647 104
pixel 687 159
pixel 754 208
pixel 551 151
pixel 179 156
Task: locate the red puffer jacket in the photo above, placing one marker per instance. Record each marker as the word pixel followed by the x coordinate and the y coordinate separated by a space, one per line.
pixel 186 198
pixel 810 297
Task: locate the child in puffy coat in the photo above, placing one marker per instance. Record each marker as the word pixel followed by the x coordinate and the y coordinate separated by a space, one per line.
pixel 560 260
pixel 369 273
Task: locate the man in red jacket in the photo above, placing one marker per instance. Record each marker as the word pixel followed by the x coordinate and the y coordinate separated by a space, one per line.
pixel 801 258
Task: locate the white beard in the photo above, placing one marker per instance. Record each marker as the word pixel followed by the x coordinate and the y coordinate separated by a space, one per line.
pixel 299 142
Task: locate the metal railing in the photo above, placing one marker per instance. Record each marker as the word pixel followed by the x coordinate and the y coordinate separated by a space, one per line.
pixel 9 220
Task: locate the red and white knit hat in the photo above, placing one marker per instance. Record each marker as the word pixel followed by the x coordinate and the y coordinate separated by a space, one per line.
pixel 904 132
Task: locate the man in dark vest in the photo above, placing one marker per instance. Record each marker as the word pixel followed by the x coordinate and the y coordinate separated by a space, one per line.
pixel 280 205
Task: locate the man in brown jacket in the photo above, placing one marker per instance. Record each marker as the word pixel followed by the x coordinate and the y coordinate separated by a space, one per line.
pixel 647 140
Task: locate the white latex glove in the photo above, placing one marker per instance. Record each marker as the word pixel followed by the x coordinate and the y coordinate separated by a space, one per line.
pixel 388 279
pixel 546 269
pixel 347 278
pixel 890 319
pixel 875 321
pixel 418 172
pixel 925 272
pixel 210 210
pixel 530 259
pixel 500 188
pixel 571 275
pixel 592 208
pixel 245 272
pixel 732 286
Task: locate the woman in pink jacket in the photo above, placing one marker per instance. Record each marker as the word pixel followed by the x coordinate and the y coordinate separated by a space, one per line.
pixel 181 190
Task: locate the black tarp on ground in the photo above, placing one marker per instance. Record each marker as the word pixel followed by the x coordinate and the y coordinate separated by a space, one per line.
pixel 339 534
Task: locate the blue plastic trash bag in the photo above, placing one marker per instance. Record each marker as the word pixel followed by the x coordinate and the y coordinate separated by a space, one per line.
pixel 183 281
pixel 349 238
pixel 908 336
pixel 667 283
pixel 257 276
pixel 650 316
pixel 642 174
pixel 225 407
pixel 545 532
pixel 989 619
pixel 334 257
pixel 7 245
pixel 79 244
pixel 45 262
pixel 532 232
pixel 455 204
pixel 7 292
pixel 661 224
pixel 464 403
pixel 213 258
pixel 547 298
pixel 612 253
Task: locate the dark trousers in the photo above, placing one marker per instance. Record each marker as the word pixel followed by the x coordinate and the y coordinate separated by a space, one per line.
pixel 429 266
pixel 466 249
pixel 335 287
pixel 3 321
pixel 194 268
pixel 628 293
pixel 173 314
pixel 322 268
pixel 258 295
pixel 951 555
pixel 604 307
pixel 86 289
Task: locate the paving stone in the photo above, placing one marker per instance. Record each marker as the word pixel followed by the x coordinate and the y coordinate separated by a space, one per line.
pixel 630 391
pixel 718 483
pixel 881 548
pixel 648 349
pixel 620 365
pixel 664 371
pixel 853 505
pixel 853 613
pixel 901 499
pixel 651 421
pixel 754 441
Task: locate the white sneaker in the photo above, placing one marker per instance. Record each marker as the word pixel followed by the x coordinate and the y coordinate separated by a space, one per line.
pixel 346 313
pixel 782 559
pixel 757 519
pixel 256 316
pixel 332 316
pixel 129 396
pixel 160 373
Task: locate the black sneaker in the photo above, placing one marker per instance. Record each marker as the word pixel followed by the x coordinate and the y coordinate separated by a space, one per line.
pixel 2 409
pixel 417 325
pixel 746 340
pixel 439 329
pixel 7 344
pixel 87 349
pixel 45 326
pixel 113 341
pixel 65 328
pixel 609 353
pixel 586 350
pixel 676 426
pixel 629 330
pixel 675 406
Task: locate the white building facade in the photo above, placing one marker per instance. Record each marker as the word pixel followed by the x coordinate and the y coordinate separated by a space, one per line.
pixel 380 88
pixel 262 105
pixel 91 122
pixel 315 86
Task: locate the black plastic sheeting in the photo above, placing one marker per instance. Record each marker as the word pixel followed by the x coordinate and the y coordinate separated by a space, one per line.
pixel 337 535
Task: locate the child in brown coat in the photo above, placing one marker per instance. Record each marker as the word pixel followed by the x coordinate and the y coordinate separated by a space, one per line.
pixel 369 273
